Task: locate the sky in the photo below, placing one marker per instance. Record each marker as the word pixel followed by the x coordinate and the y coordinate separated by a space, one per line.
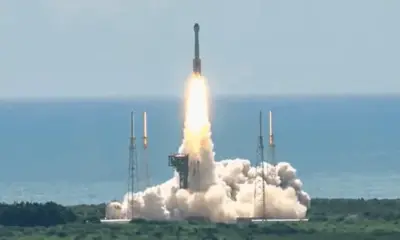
pixel 128 48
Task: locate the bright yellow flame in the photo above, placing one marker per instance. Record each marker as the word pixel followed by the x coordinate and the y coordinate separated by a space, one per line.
pixel 197 125
pixel 196 114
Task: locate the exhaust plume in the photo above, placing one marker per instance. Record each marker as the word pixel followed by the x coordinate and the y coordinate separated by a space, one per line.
pixel 220 191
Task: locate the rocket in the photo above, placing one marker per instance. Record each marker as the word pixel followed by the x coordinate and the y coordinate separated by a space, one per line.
pixel 196 60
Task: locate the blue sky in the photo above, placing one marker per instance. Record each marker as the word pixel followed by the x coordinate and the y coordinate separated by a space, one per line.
pixel 112 48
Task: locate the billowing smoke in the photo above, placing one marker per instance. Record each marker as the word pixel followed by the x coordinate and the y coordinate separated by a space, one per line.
pixel 219 191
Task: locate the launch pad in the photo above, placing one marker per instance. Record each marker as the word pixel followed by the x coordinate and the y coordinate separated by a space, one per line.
pixel 115 221
pixel 264 220
pixel 203 219
pixel 190 165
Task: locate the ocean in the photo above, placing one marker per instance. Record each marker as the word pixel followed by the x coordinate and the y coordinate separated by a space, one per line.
pixel 76 151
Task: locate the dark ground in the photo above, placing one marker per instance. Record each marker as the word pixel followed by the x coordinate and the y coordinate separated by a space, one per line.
pixel 329 219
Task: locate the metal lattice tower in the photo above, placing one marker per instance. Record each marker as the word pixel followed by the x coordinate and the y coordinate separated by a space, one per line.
pixel 260 162
pixel 133 165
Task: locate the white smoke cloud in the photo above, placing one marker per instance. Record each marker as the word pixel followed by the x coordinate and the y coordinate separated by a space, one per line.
pixel 221 191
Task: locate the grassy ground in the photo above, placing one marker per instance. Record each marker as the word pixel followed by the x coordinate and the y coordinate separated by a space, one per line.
pixel 329 219
pixel 191 230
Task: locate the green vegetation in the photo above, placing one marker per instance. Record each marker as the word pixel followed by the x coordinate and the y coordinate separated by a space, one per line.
pixel 329 219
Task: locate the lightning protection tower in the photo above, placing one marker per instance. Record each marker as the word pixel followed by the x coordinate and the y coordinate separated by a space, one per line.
pixel 145 153
pixel 260 162
pixel 133 166
pixel 271 145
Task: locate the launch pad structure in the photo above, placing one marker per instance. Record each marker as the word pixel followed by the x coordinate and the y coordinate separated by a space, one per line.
pixel 271 145
pixel 260 161
pixel 133 165
pixel 134 177
pixel 181 164
pixel 145 152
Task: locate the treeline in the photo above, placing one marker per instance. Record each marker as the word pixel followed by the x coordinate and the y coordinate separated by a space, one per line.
pixel 26 214
pixel 354 209
pixel 322 210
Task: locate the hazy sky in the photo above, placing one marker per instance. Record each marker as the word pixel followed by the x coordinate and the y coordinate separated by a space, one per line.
pixel 91 48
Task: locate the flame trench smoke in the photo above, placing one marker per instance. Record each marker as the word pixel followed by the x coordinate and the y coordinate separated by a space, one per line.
pixel 220 191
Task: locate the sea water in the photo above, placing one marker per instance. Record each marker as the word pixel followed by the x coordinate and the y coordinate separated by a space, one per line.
pixel 76 151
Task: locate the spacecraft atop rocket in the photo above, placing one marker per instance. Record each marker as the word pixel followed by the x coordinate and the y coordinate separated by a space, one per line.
pixel 196 59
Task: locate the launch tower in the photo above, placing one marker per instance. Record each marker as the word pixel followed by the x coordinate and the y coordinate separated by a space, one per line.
pixel 145 153
pixel 133 166
pixel 271 145
pixel 261 163
pixel 181 164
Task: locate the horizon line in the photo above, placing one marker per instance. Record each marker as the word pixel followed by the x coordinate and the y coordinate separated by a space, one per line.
pixel 173 97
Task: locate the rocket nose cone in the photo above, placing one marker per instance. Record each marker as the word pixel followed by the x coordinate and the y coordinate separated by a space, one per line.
pixel 196 27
